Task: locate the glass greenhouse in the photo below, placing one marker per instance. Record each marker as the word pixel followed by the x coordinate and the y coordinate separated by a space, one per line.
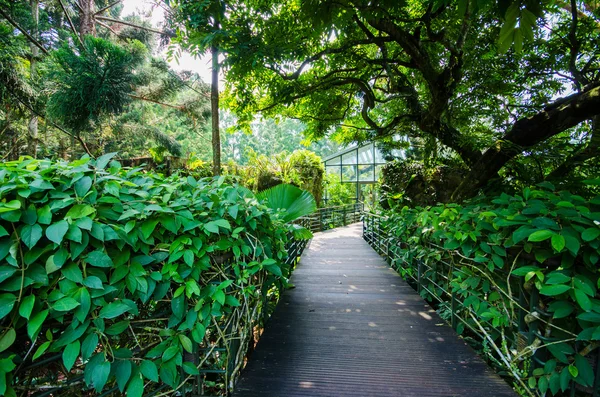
pixel 358 168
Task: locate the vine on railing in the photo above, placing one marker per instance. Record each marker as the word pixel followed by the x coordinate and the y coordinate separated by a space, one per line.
pixel 517 277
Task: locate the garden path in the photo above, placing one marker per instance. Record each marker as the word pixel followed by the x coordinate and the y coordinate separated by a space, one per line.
pixel 353 327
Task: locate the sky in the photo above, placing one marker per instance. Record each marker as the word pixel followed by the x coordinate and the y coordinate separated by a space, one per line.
pixel 186 61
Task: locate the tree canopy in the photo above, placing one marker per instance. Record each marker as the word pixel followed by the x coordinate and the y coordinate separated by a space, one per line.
pixel 490 84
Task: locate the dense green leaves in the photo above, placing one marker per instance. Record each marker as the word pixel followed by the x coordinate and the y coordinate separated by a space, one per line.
pixel 93 271
pixel 540 247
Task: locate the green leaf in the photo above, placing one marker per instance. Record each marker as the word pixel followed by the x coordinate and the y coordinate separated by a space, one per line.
pixel 99 259
pixel 65 304
pixel 114 309
pixel 561 309
pixel 586 373
pixel 572 244
pixel 188 257
pixel 70 354
pixel 82 186
pixel 7 302
pixel 558 242
pixel 10 206
pixel 232 301
pixel 80 211
pixel 582 299
pixel 102 161
pixel 148 227
pixel 122 369
pixel 31 234
pixel 56 232
pixel 294 201
pixel 93 282
pixel 170 353
pixel 590 234
pixel 219 296
pixel 7 339
pixel 149 370
pixel 190 368
pixel 553 290
pixel 72 272
pixel 117 328
pixel 41 350
pixel 6 272
pixel 540 235
pixel 560 351
pixel 84 223
pixel 275 269
pixel 573 371
pixel 186 343
pixel 100 375
pixel 89 346
pixel 26 306
pixel 44 215
pixel 136 387
pixel 35 323
pixel 591 316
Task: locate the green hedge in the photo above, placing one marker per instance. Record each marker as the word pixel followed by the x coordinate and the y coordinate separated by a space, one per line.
pixel 123 275
pixel 542 245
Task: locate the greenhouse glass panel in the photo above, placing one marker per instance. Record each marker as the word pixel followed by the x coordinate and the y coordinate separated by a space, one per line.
pixel 349 173
pixel 334 161
pixel 349 158
pixel 334 170
pixel 366 173
pixel 366 155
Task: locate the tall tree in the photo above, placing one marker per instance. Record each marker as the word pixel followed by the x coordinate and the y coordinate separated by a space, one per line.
pixel 35 52
pixel 209 31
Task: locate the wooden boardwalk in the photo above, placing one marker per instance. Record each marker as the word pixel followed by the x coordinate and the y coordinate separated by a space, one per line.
pixel 353 327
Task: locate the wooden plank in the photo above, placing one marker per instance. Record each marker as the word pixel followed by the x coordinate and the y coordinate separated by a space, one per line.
pixel 353 327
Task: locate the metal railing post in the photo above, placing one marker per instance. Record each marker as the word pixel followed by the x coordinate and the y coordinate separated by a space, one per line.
pixel 452 300
pixel 419 274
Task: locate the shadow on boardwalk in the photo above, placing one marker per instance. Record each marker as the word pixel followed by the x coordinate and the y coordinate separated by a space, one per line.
pixel 353 327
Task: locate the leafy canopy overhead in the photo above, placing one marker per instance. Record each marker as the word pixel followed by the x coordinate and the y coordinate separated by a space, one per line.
pixel 472 77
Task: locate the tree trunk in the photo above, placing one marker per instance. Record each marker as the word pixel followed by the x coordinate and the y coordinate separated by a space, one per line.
pixel 86 15
pixel 33 121
pixel 214 105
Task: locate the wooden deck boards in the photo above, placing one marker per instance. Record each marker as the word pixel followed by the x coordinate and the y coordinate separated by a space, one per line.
pixel 353 327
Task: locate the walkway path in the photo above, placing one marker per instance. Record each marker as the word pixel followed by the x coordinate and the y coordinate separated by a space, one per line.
pixel 352 327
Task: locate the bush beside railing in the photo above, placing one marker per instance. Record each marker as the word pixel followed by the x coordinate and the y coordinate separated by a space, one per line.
pixel 518 275
pixel 114 280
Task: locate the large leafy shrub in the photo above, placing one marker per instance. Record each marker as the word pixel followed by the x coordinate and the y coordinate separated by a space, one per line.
pixel 525 268
pixel 302 168
pixel 121 275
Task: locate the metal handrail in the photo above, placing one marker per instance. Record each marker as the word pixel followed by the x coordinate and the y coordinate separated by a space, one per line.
pixel 434 282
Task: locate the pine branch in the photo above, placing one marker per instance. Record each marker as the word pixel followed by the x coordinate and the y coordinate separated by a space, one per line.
pixel 70 22
pixel 100 11
pixel 168 34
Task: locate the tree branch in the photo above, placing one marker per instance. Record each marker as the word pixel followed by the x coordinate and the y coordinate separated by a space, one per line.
pixel 100 11
pixel 70 22
pixel 589 151
pixel 168 34
pixel 19 28
pixel 528 132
